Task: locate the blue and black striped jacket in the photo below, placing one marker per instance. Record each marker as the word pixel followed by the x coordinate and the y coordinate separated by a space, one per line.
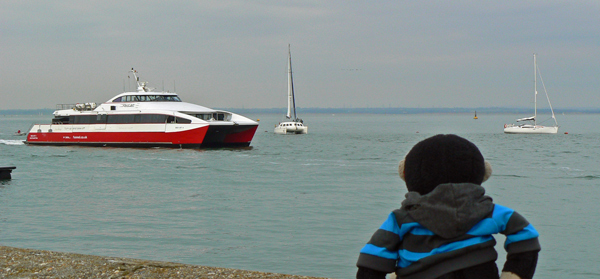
pixel 445 230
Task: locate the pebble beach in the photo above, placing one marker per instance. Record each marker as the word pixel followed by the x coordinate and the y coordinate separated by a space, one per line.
pixel 30 263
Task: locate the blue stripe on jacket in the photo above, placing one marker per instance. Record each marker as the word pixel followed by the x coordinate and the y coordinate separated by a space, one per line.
pixel 407 257
pixel 482 232
pixel 527 233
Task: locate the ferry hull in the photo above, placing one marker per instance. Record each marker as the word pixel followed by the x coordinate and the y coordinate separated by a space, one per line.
pixel 229 136
pixel 205 136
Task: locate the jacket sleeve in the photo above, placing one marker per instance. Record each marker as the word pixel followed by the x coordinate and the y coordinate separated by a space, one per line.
pixel 381 252
pixel 522 242
pixel 367 273
pixel 520 235
pixel 522 264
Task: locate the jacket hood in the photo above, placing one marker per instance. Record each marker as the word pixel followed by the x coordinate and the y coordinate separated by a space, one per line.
pixel 450 210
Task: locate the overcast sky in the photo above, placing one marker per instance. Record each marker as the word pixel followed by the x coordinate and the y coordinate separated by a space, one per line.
pixel 232 54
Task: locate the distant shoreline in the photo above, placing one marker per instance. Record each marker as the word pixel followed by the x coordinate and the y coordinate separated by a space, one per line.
pixel 486 110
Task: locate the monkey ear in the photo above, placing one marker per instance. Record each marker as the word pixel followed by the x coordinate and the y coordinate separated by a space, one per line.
pixel 488 171
pixel 401 169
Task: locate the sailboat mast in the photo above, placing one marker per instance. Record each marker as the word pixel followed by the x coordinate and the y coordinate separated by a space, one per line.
pixel 535 90
pixel 290 88
pixel 291 97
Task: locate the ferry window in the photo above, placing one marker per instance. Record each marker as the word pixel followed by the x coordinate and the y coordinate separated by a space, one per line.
pixel 182 120
pixel 147 98
pixel 117 119
pixel 131 98
pixel 101 118
pixel 84 119
pixel 218 116
pixel 61 120
pixel 171 119
pixel 121 119
pixel 152 118
pixel 204 116
pixel 128 118
pixel 112 119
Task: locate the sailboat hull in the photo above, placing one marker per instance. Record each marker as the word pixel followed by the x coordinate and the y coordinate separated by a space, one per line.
pixel 530 129
pixel 291 128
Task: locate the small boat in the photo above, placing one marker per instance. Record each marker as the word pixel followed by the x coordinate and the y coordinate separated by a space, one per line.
pixel 291 125
pixel 143 119
pixel 5 171
pixel 532 126
pixel 19 133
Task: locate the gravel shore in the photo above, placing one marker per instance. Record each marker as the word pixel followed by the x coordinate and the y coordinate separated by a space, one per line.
pixel 29 263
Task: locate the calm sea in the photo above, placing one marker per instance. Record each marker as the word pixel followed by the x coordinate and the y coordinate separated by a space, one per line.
pixel 303 204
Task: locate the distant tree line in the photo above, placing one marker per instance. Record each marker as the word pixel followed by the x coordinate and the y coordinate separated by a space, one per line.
pixel 27 112
pixel 486 110
pixel 356 110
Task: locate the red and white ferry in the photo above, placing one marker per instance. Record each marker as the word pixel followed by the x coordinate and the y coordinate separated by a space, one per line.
pixel 144 119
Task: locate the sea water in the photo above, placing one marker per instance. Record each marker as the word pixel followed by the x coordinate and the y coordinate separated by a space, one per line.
pixel 294 204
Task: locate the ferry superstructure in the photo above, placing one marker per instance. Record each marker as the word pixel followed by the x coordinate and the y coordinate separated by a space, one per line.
pixel 144 119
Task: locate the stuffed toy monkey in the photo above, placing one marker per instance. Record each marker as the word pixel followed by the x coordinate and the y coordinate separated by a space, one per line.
pixel 445 225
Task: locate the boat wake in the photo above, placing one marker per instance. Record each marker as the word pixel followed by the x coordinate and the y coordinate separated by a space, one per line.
pixel 12 142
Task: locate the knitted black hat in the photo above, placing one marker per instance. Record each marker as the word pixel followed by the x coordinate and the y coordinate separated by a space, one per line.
pixel 443 159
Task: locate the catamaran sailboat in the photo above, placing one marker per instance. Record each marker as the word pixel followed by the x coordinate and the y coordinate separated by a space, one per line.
pixel 294 125
pixel 533 127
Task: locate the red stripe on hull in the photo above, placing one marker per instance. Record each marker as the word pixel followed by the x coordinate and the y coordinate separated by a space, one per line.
pixel 191 137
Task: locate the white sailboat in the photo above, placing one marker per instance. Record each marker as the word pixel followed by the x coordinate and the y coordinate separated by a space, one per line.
pixel 532 127
pixel 294 125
